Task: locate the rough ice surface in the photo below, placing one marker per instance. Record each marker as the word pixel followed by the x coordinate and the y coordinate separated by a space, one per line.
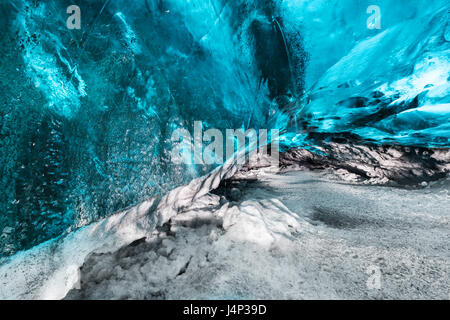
pixel 289 244
pixel 392 87
pixel 87 117
pixel 51 269
pixel 278 224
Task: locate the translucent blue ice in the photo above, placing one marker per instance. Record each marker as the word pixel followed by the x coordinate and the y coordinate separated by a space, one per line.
pixel 88 115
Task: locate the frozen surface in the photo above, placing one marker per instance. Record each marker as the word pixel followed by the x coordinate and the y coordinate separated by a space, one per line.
pixel 260 235
pixel 294 235
pixel 87 115
pixel 50 270
pixel 391 85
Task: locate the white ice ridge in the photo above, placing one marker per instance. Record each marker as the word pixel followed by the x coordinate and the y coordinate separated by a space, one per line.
pixel 50 270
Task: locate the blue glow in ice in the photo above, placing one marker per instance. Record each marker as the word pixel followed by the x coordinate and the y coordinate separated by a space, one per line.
pixel 88 115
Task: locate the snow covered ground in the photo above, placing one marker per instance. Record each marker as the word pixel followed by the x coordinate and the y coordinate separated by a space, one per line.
pixel 260 235
pixel 294 235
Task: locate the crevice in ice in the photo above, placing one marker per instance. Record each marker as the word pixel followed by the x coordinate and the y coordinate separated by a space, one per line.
pixel 374 164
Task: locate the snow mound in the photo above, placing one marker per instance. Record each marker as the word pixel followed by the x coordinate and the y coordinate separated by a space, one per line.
pixel 207 251
pixel 286 236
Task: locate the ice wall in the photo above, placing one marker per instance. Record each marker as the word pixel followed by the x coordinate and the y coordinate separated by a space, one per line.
pixel 87 115
pixel 388 85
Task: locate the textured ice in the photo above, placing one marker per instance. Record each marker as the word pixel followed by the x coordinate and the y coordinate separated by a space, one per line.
pixel 289 236
pixel 381 165
pixel 389 87
pixel 87 115
pixel 51 269
pixel 257 235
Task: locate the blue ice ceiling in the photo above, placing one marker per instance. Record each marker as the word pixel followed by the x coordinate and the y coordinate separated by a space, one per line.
pixel 387 86
pixel 87 115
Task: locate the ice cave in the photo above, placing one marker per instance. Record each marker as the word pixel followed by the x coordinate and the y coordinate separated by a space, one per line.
pixel 99 201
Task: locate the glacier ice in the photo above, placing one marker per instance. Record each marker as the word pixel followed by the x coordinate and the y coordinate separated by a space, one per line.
pixel 50 269
pixel 102 102
pixel 388 87
pixel 210 248
pixel 87 115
